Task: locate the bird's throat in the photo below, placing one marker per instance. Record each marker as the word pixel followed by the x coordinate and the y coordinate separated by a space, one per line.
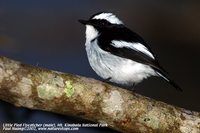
pixel 91 33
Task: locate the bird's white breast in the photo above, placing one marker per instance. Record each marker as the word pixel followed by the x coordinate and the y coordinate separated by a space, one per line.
pixel 90 33
pixel 120 70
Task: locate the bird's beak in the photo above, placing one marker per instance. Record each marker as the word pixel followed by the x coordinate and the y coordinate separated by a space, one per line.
pixel 84 22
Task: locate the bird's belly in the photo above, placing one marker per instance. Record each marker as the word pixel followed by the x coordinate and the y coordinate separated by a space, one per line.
pixel 119 70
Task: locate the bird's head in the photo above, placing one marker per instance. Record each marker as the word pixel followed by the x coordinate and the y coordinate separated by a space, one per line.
pixel 99 22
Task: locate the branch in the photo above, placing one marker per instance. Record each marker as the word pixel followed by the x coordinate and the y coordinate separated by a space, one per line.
pixel 67 94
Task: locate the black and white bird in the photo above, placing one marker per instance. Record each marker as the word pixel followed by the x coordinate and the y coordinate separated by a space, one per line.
pixel 119 55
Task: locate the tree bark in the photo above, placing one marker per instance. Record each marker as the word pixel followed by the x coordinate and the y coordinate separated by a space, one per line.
pixel 67 94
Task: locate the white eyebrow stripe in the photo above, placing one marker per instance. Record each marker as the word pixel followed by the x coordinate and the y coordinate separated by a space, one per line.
pixel 109 17
pixel 135 46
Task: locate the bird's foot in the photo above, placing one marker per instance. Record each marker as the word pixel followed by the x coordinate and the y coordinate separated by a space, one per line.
pixel 107 80
pixel 133 88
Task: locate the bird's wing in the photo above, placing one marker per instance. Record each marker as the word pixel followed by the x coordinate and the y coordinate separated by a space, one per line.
pixel 134 51
pixel 122 42
pixel 139 53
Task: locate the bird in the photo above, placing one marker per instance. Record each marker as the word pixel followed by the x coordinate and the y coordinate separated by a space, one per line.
pixel 119 55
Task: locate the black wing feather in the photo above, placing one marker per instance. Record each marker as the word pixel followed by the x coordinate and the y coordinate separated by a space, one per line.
pixel 122 33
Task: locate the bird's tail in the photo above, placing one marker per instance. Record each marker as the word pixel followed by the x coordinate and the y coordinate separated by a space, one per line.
pixel 162 73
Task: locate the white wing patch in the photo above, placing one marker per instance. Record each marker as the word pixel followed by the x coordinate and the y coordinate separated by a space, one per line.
pixel 136 46
pixel 109 17
pixel 163 76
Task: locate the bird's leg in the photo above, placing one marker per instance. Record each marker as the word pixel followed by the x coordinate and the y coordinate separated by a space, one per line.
pixel 133 87
pixel 107 79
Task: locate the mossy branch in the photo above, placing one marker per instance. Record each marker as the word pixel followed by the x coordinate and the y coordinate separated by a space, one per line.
pixel 67 94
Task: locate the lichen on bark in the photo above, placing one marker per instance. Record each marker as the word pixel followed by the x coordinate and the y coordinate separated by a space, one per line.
pixel 67 94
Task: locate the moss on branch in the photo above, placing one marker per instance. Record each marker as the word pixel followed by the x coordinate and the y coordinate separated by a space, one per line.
pixel 67 94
